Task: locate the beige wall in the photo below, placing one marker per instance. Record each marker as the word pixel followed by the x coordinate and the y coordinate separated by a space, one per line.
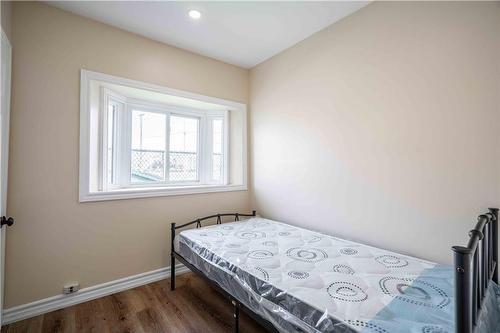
pixel 5 17
pixel 55 238
pixel 384 127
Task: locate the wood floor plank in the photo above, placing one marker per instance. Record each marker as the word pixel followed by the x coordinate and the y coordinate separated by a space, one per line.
pixel 170 314
pixel 218 307
pixel 89 317
pixel 135 300
pixel 119 318
pixel 60 321
pixel 175 307
pixel 152 322
pixel 35 324
pixel 19 327
pixel 220 319
pixel 193 307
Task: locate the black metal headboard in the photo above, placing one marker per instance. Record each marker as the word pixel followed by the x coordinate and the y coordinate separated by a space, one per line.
pixel 475 266
pixel 173 227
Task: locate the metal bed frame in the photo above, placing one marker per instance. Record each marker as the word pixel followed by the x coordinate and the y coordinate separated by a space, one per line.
pixel 475 267
pixel 237 305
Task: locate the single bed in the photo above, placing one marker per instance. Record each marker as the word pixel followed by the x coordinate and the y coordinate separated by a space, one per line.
pixel 295 280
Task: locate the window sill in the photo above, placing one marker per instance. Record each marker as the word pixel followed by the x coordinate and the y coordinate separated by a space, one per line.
pixel 132 193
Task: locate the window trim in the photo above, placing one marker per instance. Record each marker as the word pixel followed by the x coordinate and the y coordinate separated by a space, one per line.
pixel 108 96
pixel 151 190
pixel 225 147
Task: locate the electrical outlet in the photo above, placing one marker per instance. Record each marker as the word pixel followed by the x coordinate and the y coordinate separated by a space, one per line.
pixel 70 288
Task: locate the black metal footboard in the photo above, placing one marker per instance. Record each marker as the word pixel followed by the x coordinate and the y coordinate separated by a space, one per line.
pixel 237 305
pixel 475 266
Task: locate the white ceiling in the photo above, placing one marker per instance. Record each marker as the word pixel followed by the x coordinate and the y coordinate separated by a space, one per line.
pixel 240 33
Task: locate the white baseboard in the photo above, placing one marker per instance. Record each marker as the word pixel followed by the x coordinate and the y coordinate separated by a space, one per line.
pixel 49 304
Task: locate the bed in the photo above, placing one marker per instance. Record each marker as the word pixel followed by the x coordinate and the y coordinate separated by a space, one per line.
pixel 291 279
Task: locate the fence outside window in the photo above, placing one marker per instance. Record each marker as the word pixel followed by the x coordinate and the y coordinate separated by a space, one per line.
pixel 149 165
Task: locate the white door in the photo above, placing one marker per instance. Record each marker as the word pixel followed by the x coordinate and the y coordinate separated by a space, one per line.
pixel 6 53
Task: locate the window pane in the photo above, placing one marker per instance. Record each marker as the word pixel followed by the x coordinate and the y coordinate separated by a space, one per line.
pixel 148 147
pixel 112 109
pixel 217 150
pixel 183 149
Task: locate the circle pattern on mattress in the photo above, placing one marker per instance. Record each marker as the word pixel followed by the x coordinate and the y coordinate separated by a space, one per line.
pixel 346 291
pixel 298 275
pixel 260 254
pixel 314 239
pixel 263 273
pixel 216 234
pixel 308 254
pixel 250 234
pixel 348 251
pixel 433 329
pixel 391 261
pixel 414 291
pixel 343 269
pixel 361 323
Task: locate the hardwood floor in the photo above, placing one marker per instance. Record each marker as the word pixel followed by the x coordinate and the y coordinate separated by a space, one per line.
pixel 193 307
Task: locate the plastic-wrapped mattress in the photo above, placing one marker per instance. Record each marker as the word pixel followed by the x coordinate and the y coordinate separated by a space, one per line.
pixel 303 281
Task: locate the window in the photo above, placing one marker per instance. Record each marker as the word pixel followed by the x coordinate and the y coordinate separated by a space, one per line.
pixel 153 144
pixel 143 142
pixel 149 147
pixel 183 152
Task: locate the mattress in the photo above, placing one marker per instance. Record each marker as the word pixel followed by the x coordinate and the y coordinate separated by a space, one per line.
pixel 305 281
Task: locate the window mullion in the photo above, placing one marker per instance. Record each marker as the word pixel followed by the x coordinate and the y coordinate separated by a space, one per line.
pixel 116 124
pixel 103 127
pixel 225 148
pixel 124 147
pixel 210 138
pixel 209 144
pixel 167 148
pixel 204 150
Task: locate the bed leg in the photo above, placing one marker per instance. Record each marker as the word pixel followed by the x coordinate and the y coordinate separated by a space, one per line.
pixel 172 257
pixel 172 273
pixel 236 317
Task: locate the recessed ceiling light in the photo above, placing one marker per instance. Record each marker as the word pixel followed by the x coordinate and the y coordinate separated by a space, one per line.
pixel 194 14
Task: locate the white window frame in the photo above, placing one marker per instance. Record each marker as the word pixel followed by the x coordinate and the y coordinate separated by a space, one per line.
pixel 225 147
pixel 126 189
pixel 108 96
